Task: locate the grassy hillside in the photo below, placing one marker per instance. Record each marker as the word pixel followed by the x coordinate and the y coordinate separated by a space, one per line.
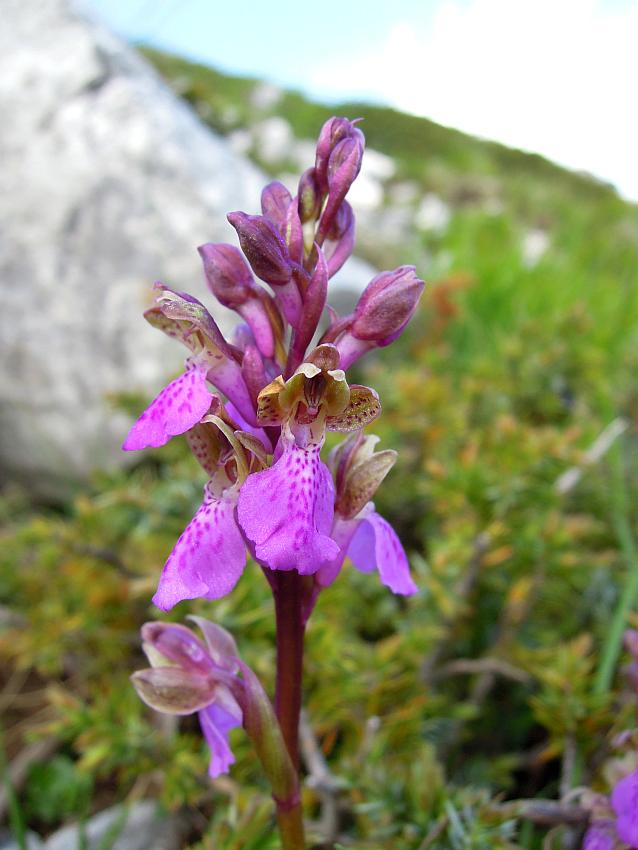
pixel 437 157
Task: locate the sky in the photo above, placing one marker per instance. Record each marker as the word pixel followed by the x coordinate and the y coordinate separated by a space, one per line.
pixel 557 77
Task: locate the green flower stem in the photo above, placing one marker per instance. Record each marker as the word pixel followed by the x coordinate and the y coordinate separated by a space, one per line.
pixel 629 597
pixel 290 822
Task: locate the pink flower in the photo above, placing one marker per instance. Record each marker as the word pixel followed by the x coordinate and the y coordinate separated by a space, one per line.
pixel 286 511
pixel 188 675
pixel 178 407
pixel 624 801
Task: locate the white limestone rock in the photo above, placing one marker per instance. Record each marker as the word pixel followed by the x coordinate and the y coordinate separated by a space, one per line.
pixel 108 182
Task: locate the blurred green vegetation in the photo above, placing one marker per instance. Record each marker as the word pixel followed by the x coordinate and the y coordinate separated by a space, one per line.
pixel 429 711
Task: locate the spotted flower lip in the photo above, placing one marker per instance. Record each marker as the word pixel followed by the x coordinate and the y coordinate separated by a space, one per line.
pixel 286 511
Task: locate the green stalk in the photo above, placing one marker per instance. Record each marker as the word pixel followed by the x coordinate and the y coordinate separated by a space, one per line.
pixel 612 646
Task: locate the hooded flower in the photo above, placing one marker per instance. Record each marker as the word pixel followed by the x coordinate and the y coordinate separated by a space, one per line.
pixel 286 511
pixel 181 404
pixel 360 532
pixel 188 675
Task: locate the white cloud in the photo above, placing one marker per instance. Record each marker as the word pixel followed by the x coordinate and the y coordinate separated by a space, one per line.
pixel 554 76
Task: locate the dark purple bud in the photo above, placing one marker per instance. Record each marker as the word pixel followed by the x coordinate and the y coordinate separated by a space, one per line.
pixel 310 196
pixel 293 234
pixel 254 373
pixel 263 246
pixel 340 239
pixel 313 304
pixel 343 167
pixel 258 314
pixel 387 305
pixel 332 132
pixel 344 164
pixel 227 274
pixel 275 200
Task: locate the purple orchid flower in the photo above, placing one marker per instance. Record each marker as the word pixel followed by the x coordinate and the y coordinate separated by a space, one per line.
pixel 294 530
pixel 188 675
pixel 614 823
pixel 361 533
pixel 624 802
pixel 601 835
pixel 178 407
pixel 209 557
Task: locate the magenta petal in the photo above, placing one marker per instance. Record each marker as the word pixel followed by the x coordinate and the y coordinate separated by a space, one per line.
pixel 375 545
pixel 600 836
pixel 208 558
pixel 216 723
pixel 624 801
pixel 226 375
pixel 176 409
pixel 286 512
pixel 342 533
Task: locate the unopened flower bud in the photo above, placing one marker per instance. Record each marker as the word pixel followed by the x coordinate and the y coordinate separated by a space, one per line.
pixel 227 274
pixel 340 239
pixel 275 200
pixel 343 167
pixel 333 131
pixel 310 196
pixel 384 309
pixel 358 471
pixel 387 305
pixel 263 246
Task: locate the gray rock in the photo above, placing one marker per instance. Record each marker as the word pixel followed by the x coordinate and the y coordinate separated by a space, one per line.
pixel 107 183
pixel 141 828
pixel 9 842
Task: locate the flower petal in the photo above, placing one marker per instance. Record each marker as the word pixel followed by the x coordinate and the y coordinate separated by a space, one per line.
pixel 208 558
pixel 624 801
pixel 342 533
pixel 375 545
pixel 216 723
pixel 286 512
pixel 221 644
pixel 172 690
pixel 175 644
pixel 177 408
pixel 363 408
pixel 600 836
